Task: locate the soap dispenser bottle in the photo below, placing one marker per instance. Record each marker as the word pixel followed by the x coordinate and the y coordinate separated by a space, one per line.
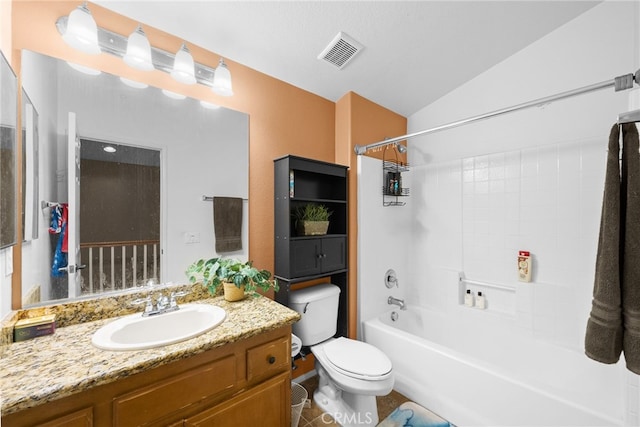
pixel 481 301
pixel 468 298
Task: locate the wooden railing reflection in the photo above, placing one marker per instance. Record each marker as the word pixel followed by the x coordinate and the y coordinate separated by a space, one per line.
pixel 119 265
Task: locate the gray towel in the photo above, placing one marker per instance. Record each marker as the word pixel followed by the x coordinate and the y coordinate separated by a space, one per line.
pixel 631 261
pixel 227 223
pixel 603 341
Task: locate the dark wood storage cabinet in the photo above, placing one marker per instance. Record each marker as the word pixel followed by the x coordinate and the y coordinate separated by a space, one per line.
pixel 299 181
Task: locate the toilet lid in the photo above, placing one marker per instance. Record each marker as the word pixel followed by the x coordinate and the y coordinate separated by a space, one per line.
pixel 357 358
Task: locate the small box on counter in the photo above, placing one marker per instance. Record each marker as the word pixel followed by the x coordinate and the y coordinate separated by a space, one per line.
pixel 25 329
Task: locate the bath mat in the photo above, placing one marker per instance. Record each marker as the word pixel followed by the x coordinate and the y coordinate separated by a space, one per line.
pixel 410 414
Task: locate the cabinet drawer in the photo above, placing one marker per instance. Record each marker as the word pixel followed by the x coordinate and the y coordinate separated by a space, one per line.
pixel 81 418
pixel 150 403
pixel 268 359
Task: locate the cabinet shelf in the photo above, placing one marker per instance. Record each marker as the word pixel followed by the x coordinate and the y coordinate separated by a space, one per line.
pixel 312 200
pixel 317 237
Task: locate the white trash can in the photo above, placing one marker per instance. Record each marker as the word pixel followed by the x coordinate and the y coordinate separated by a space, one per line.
pixel 298 398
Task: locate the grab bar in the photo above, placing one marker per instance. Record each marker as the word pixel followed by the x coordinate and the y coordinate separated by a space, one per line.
pixel 462 279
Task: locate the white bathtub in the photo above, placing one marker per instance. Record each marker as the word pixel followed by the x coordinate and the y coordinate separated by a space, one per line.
pixel 479 371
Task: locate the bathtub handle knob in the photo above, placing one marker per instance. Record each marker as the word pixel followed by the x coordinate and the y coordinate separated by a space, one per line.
pixel 391 279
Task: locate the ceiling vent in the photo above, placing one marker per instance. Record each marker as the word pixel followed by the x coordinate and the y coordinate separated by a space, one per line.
pixel 341 50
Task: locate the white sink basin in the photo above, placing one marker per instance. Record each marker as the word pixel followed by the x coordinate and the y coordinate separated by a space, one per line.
pixel 135 332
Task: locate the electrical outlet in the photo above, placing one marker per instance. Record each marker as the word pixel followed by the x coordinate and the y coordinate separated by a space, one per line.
pixel 191 237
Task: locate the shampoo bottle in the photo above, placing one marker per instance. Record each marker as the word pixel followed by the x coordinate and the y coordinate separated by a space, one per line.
pixel 480 301
pixel 468 298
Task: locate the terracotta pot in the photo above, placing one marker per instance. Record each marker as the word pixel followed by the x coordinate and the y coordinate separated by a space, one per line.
pixel 232 292
pixel 312 228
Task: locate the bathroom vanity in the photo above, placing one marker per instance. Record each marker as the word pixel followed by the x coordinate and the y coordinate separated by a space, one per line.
pixel 236 374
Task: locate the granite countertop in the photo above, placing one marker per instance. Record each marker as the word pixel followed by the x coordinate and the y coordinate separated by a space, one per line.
pixel 51 367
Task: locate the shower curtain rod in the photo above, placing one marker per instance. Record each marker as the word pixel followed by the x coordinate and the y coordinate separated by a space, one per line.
pixel 620 83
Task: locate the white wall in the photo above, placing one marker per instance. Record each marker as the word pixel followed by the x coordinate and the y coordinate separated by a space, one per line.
pixel 530 180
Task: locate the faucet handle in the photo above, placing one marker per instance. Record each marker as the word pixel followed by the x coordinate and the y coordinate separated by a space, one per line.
pixel 175 295
pixel 147 301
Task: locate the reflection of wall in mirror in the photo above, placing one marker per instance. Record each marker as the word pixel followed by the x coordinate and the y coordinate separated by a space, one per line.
pixel 204 152
pixel 37 254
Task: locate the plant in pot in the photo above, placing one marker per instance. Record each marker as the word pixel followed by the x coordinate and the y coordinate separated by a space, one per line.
pixel 311 219
pixel 237 277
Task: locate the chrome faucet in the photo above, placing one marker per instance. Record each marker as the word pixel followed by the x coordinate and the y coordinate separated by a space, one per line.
pixel 164 304
pixel 396 301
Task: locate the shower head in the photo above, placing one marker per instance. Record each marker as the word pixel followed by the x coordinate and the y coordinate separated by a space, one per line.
pixel 401 148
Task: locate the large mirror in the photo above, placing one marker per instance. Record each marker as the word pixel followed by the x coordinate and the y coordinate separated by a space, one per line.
pixel 141 162
pixel 8 141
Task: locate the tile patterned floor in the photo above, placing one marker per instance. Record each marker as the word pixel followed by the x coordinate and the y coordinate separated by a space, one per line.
pixel 312 417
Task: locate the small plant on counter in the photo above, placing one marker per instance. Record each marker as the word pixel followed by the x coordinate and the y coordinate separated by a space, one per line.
pixel 231 273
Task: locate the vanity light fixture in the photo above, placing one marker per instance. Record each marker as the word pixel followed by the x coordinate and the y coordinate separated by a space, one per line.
pixel 183 66
pixel 222 80
pixel 180 66
pixel 209 105
pixel 82 32
pixel 133 83
pixel 173 95
pixel 138 51
pixel 84 69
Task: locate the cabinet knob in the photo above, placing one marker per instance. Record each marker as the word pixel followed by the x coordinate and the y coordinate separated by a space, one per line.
pixel 271 360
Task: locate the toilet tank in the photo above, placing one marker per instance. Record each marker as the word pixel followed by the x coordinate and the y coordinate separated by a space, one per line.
pixel 318 307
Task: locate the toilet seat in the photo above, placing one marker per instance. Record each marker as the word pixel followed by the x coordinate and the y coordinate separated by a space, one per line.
pixel 357 359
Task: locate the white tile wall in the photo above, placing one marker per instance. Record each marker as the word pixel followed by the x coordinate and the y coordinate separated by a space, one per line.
pixel 487 207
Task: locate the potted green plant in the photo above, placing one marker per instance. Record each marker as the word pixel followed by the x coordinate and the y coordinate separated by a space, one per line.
pixel 311 219
pixel 237 277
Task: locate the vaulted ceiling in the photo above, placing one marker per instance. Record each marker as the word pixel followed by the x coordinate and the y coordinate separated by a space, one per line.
pixel 414 52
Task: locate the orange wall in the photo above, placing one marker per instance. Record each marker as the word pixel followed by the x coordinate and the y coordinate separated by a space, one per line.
pixel 360 122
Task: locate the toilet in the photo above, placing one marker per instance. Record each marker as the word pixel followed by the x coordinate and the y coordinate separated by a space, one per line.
pixel 351 373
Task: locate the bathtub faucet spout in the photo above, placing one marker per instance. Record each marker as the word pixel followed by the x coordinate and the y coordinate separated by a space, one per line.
pixel 396 301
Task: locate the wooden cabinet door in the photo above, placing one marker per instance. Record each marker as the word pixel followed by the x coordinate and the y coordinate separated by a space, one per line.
pixel 267 404
pixel 306 257
pixel 334 253
pixel 162 399
pixel 318 255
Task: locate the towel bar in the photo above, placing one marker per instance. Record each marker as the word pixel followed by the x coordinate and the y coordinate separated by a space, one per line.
pixel 210 199
pixel 462 279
